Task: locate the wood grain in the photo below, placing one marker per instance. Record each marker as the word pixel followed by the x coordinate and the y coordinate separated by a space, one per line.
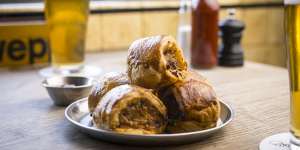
pixel 258 93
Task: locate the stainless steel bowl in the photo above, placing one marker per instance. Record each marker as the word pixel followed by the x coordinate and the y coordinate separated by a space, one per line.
pixel 64 90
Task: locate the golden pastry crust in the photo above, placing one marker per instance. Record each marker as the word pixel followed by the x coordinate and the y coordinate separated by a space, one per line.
pixel 131 109
pixel 192 104
pixel 106 83
pixel 155 62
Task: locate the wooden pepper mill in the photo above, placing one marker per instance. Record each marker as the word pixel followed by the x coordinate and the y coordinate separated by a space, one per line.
pixel 231 52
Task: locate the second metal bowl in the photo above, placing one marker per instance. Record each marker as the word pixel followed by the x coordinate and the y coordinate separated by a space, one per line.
pixel 64 90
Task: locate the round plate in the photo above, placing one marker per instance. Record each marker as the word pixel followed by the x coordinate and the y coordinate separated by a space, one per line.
pixel 78 114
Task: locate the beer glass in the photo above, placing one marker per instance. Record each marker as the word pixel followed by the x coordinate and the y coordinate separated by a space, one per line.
pixel 67 21
pixel 292 29
pixel 292 33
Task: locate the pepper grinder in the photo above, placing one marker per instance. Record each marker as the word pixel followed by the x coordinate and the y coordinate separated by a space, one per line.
pixel 231 52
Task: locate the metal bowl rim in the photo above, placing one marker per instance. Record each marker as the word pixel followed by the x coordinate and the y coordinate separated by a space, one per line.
pixel 90 84
pixel 230 118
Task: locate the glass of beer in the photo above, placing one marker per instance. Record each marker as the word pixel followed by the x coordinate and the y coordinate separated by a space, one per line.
pixel 292 33
pixel 67 21
pixel 292 29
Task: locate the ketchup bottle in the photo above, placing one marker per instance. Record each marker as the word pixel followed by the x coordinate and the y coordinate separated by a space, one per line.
pixel 204 44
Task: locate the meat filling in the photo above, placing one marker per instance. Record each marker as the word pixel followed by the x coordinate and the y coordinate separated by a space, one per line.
pixel 173 64
pixel 141 115
pixel 172 106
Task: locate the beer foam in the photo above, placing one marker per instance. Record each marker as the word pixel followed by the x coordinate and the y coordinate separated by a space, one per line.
pixel 291 1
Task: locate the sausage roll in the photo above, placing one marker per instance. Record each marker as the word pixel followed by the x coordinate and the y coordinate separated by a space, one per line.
pixel 107 82
pixel 130 109
pixel 155 62
pixel 192 104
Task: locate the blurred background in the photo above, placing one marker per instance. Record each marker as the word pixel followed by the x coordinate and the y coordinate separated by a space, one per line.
pixel 113 25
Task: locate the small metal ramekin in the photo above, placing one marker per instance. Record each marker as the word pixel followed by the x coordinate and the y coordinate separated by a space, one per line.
pixel 64 90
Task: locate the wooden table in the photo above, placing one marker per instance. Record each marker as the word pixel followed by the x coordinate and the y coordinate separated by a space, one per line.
pixel 258 93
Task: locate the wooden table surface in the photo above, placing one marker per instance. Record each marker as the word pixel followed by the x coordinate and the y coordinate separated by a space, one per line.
pixel 258 93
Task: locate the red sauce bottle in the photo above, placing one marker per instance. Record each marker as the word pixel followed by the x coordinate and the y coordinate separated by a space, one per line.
pixel 204 44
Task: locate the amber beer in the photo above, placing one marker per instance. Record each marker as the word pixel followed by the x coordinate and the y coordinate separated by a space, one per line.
pixel 292 28
pixel 67 20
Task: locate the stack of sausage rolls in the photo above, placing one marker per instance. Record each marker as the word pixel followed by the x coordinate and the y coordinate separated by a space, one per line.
pixel 158 93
